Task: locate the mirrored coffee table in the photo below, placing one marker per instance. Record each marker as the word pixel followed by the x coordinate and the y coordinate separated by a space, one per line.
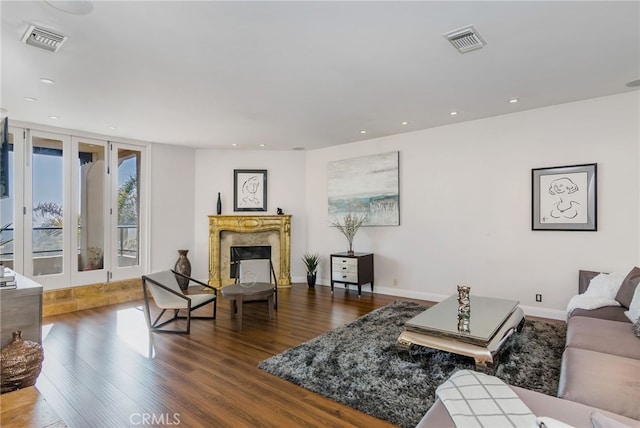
pixel 480 336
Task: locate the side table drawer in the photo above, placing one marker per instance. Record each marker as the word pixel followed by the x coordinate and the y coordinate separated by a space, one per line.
pixel 345 276
pixel 340 262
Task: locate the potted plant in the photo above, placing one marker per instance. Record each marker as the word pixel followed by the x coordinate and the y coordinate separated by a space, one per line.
pixel 311 261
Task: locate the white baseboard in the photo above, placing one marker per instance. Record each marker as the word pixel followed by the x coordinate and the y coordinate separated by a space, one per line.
pixel 553 314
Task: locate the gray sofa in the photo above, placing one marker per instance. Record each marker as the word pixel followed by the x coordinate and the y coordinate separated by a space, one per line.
pixel 601 361
pixel 600 372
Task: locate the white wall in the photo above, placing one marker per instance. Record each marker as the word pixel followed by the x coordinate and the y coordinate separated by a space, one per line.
pixel 171 205
pixel 465 201
pixel 285 189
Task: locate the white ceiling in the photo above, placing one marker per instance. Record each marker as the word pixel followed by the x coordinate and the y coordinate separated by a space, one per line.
pixel 307 74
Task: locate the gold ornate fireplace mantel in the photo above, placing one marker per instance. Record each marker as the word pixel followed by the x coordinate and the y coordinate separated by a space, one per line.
pixel 250 224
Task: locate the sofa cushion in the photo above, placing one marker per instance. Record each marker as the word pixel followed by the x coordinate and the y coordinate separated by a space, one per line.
pixel 575 414
pixel 614 313
pixel 611 337
pixel 628 287
pixel 596 379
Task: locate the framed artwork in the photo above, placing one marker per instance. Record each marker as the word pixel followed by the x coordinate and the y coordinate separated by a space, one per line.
pixel 564 198
pixel 366 185
pixel 249 189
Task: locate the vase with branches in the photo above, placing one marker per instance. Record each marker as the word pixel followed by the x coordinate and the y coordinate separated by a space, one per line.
pixel 349 226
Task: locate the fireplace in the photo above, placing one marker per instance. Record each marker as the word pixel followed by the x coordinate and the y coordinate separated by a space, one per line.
pixel 245 252
pixel 227 231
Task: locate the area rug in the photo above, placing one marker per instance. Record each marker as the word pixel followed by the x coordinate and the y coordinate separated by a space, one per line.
pixel 359 365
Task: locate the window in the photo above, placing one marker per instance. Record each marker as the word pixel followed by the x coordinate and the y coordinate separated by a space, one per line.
pixel 78 206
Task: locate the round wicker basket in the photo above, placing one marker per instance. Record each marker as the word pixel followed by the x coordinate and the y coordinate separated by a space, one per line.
pixel 20 363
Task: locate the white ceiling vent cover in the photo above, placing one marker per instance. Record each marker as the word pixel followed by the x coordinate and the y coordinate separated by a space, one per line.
pixel 43 38
pixel 465 39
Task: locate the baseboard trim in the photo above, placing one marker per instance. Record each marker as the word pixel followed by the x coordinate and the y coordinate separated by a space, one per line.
pixel 548 313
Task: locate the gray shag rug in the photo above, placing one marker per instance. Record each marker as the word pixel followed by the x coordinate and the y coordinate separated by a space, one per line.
pixel 359 365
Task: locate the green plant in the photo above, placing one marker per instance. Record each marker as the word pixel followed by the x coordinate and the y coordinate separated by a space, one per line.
pixel 2 229
pixel 311 261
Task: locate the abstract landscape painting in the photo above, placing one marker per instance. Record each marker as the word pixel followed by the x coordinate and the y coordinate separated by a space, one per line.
pixel 365 185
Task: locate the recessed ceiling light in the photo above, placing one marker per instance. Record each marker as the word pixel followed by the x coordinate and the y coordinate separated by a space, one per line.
pixel 405 123
pixel 298 148
pixel 363 131
pixel 633 83
pixel 262 145
pixel 513 100
pixel 47 81
pixel 75 7
pixel 111 127
pixel 54 117
pixel 234 144
pixel 453 113
pixel 31 99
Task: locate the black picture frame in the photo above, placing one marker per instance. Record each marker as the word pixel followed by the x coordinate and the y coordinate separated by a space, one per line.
pixel 564 198
pixel 249 189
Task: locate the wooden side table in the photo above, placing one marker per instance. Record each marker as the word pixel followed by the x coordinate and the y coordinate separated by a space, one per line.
pixel 354 269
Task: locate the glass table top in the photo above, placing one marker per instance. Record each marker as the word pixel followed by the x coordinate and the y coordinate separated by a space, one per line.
pixel 486 317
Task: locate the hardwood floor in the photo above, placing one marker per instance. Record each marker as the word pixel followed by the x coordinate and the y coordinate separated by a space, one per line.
pixel 103 369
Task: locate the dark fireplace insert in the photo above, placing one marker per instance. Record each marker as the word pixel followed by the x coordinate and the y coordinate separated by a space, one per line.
pixel 245 253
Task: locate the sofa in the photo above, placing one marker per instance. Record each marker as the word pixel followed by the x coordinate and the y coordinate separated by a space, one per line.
pixel 600 374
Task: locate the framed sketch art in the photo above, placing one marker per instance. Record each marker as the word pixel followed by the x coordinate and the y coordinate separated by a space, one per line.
pixel 564 198
pixel 249 189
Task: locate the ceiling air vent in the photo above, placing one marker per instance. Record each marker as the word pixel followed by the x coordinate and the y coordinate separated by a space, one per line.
pixel 465 39
pixel 42 38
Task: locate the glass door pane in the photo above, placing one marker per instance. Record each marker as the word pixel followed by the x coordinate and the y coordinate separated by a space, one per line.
pixel 128 251
pixel 47 182
pixel 91 207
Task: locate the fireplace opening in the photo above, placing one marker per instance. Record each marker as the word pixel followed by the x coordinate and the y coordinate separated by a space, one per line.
pixel 245 253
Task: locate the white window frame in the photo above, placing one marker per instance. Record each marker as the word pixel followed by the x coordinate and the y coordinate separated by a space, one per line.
pixel 23 209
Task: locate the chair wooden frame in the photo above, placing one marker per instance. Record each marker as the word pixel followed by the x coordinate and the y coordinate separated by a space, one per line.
pixel 182 302
pixel 272 274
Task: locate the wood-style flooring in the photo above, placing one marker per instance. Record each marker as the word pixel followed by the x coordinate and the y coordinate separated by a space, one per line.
pixel 103 369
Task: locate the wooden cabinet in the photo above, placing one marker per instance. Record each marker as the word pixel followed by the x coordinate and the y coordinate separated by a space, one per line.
pixel 355 269
pixel 21 309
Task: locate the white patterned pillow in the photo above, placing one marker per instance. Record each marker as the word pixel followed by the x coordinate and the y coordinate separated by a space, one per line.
pixel 605 285
pixel 634 308
pixel 636 327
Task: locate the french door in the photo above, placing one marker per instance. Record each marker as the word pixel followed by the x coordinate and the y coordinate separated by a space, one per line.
pixel 75 209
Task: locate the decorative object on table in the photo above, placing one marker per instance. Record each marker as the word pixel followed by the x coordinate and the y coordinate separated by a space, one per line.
pixel 279 211
pixel 20 363
pixel 345 364
pixel 366 184
pixel 464 302
pixel 7 279
pixel 183 266
pixel 464 322
pixel 249 189
pixel 219 205
pixel 564 198
pixel 349 226
pixel 95 258
pixel 311 261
